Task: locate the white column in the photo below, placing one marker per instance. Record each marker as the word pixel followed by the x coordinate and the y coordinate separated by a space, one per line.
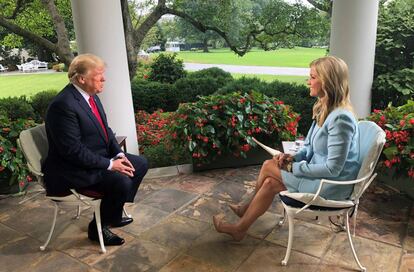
pixel 99 30
pixel 353 36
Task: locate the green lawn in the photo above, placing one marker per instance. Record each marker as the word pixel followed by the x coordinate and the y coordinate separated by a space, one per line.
pixel 297 57
pixel 30 84
pixel 270 78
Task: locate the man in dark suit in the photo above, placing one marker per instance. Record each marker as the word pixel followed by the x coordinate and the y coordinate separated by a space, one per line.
pixel 83 152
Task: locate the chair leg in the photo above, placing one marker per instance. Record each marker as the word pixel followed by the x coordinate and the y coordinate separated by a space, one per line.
pixel 42 248
pixel 290 240
pixel 283 219
pixel 126 213
pixel 351 243
pixel 78 212
pixel 98 225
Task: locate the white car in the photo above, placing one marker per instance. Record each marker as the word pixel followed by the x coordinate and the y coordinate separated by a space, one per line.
pixel 3 69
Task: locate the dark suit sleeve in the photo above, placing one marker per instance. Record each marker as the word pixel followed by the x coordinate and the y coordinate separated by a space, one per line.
pixel 65 132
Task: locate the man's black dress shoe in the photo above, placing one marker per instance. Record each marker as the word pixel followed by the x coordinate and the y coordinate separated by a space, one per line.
pixel 124 221
pixel 109 238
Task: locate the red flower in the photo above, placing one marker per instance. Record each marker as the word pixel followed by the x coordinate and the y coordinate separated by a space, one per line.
pixel 402 123
pixel 412 121
pixel 29 178
pixel 1 149
pixel 13 149
pixel 1 168
pixel 245 147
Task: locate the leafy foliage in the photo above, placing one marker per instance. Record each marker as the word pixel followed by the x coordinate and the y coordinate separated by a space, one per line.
pixel 166 68
pixel 155 141
pixel 13 168
pixel 17 107
pixel 394 56
pixel 225 124
pixel 40 102
pixel 398 123
pixel 151 96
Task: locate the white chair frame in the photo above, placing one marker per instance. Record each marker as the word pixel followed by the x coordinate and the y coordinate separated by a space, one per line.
pixel 35 156
pixel 349 206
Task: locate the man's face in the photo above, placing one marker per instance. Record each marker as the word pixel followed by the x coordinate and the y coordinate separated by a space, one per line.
pixel 93 82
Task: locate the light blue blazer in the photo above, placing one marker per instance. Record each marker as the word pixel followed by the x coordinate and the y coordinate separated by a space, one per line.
pixel 329 152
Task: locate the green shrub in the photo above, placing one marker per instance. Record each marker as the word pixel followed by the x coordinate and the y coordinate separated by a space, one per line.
pixel 296 96
pixel 243 85
pixel 40 102
pixel 187 89
pixel 160 155
pixel 220 76
pixel 17 107
pixel 166 69
pixel 395 87
pixel 151 96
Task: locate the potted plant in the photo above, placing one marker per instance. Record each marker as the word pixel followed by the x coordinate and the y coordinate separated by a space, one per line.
pixel 397 161
pixel 220 125
pixel 14 174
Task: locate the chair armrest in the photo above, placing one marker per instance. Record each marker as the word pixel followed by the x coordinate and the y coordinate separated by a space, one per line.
pixel 327 181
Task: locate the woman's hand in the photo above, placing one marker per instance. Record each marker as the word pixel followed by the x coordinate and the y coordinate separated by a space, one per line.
pixel 283 160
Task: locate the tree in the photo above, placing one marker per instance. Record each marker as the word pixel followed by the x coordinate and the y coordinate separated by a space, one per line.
pixel 44 19
pixel 240 23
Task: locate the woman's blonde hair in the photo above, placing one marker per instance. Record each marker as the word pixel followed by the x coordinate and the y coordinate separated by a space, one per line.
pixel 333 74
pixel 82 64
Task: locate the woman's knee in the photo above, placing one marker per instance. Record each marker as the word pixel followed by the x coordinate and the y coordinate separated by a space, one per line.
pixel 272 184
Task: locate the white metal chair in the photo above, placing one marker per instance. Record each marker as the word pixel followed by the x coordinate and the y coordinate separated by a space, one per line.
pixel 34 145
pixel 3 69
pixel 372 140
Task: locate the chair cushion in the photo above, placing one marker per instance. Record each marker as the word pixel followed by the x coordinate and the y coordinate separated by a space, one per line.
pixel 90 193
pixel 301 199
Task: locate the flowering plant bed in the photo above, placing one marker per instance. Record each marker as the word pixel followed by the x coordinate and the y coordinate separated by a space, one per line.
pixel 13 169
pixel 219 125
pixel 398 124
pixel 155 141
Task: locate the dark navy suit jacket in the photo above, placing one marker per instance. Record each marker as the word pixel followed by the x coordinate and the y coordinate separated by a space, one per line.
pixel 78 150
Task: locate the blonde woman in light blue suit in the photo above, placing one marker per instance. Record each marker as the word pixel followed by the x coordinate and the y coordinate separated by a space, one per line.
pixel 330 150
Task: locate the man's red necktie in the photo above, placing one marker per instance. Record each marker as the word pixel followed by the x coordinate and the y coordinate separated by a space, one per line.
pixel 97 115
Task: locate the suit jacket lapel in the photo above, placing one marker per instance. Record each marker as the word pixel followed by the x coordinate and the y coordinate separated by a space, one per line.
pixel 85 106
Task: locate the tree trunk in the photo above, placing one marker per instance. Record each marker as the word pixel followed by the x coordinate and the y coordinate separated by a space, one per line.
pixel 205 45
pixel 129 39
pixel 63 46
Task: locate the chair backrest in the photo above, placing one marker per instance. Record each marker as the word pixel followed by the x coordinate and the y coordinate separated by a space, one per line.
pixel 34 145
pixel 371 142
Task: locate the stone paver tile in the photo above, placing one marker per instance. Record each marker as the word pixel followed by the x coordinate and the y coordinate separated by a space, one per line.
pixel 185 263
pixel 139 255
pixel 18 253
pixel 144 218
pixel 375 256
pixel 230 191
pixel 409 239
pixel 268 257
pixel 247 175
pixel 74 241
pixel 407 262
pixel 220 250
pixel 7 235
pixel 55 261
pixel 307 238
pixel 204 208
pixel 381 203
pixel 386 230
pixel 263 225
pixel 168 200
pixel 146 188
pixel 192 183
pixel 35 218
pixel 176 231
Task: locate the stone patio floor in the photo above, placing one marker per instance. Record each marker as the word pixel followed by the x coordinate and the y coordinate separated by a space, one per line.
pixel 173 231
